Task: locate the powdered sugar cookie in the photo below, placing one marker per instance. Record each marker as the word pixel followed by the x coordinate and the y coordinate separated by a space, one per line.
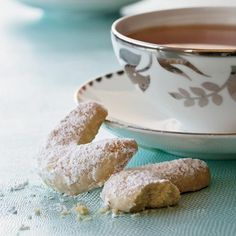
pixel 136 190
pixel 70 164
pixel 155 185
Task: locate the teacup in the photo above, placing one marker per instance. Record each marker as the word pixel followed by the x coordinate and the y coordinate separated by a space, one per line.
pixel 194 83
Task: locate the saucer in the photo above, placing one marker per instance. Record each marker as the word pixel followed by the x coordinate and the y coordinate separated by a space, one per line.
pixel 131 115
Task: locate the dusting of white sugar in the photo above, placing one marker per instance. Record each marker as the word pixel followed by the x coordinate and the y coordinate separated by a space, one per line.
pixel 73 161
pixel 72 129
pixel 176 168
pixel 68 157
pixel 127 182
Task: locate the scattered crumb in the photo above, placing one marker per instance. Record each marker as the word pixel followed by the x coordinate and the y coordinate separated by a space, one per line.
pixel 81 209
pixel 104 210
pixel 79 218
pixel 51 198
pixel 135 215
pixel 115 213
pixel 87 218
pixel 24 227
pixel 13 210
pixel 20 186
pixel 60 207
pixel 37 211
pixel 83 218
pixel 1 195
pixel 200 210
pixel 30 217
pixel 32 195
pixel 63 200
pixel 64 213
pixel 108 212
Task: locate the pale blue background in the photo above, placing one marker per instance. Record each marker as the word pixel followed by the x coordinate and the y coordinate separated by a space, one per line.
pixel 42 63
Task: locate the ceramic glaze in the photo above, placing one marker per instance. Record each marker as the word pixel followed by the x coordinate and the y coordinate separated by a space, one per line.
pixel 196 86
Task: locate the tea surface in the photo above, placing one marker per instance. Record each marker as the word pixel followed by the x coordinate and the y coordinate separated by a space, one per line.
pixel 192 36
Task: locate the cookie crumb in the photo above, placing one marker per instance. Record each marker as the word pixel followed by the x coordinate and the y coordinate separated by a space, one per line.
pixel 108 212
pixel 104 210
pixel 37 211
pixel 79 218
pixel 81 209
pixel 64 213
pixel 61 208
pixel 24 227
pixel 115 213
pixel 13 210
pixel 88 218
pixel 19 186
pixel 63 200
pixel 30 217
pixel 135 215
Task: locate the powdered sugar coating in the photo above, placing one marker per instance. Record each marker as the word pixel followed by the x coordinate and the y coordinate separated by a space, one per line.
pixel 183 166
pixel 74 161
pixel 128 182
pixel 154 185
pixel 187 174
pixel 79 126
pixel 134 190
pixel 71 168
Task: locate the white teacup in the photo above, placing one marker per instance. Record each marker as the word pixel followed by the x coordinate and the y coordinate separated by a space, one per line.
pixel 196 85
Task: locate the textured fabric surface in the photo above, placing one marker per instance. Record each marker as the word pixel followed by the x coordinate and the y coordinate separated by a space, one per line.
pixel 210 211
pixel 42 64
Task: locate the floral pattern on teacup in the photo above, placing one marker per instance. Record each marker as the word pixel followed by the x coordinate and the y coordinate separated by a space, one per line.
pixel 168 61
pixel 208 91
pixel 202 95
pixel 132 60
pixel 165 59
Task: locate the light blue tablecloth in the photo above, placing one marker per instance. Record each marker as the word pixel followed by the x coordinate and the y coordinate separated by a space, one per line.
pixel 42 63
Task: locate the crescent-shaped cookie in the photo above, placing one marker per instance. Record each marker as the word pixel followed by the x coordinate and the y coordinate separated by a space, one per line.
pixel 70 164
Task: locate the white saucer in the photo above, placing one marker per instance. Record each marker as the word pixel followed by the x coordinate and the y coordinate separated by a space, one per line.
pixel 131 115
